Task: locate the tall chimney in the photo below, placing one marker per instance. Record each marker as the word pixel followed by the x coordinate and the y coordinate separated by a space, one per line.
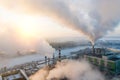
pixel 53 58
pixel 93 49
pixel 45 60
pixel 59 53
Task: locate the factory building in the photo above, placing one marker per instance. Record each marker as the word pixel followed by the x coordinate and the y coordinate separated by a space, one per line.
pixel 105 60
pixel 14 75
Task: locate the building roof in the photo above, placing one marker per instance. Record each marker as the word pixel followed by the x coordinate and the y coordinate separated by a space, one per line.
pixel 14 75
pixel 114 59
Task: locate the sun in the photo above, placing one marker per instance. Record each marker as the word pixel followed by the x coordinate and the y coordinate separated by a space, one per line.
pixel 28 27
pixel 33 26
pixel 26 35
pixel 27 31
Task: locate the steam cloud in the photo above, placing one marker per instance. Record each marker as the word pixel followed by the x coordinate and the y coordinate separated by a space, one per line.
pixel 72 70
pixel 91 17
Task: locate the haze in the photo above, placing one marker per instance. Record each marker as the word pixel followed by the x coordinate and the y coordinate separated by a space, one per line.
pixel 26 23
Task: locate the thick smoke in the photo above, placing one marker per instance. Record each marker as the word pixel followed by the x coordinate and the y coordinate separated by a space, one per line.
pixel 72 70
pixel 91 17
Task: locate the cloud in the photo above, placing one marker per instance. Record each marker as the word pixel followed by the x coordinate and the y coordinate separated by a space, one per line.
pixel 91 17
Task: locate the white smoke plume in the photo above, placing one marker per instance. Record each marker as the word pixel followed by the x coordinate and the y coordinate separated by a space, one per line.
pixel 91 17
pixel 70 69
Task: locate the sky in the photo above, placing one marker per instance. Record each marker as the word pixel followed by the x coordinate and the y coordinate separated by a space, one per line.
pixel 26 22
pixel 29 25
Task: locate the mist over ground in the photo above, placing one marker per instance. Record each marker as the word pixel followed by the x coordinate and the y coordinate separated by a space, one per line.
pixel 69 70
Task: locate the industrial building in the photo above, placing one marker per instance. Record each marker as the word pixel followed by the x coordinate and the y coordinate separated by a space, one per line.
pixel 23 71
pixel 14 75
pixel 105 60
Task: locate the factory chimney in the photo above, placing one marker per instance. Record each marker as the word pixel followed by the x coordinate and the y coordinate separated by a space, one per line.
pixel 93 49
pixel 60 54
pixel 53 58
pixel 46 60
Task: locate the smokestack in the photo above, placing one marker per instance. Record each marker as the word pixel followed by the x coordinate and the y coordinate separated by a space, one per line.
pixel 45 60
pixel 53 58
pixel 93 49
pixel 60 54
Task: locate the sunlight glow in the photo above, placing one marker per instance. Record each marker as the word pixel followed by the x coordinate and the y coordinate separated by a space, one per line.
pixel 29 28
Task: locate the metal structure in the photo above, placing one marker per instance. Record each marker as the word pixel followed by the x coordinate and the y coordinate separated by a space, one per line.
pixel 60 54
pixel 14 75
pixel 109 62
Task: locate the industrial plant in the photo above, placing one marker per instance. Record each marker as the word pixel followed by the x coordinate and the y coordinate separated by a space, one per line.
pixel 106 60
pixel 14 75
